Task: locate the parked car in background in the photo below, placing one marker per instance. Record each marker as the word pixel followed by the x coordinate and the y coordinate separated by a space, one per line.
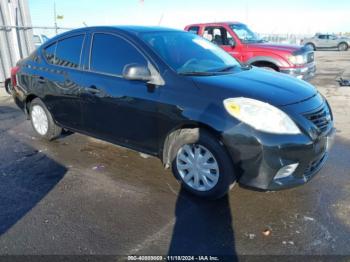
pixel 323 41
pixel 39 40
pixel 177 96
pixel 240 42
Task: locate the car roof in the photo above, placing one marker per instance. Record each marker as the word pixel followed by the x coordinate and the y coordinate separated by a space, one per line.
pixel 217 23
pixel 127 29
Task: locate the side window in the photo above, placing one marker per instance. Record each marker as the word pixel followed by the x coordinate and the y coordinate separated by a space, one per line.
pixel 218 35
pixel 49 53
pixel 68 51
pixel 194 30
pixel 110 54
pixel 322 37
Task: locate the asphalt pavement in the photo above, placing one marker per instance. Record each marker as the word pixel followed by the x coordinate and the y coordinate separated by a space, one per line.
pixel 82 196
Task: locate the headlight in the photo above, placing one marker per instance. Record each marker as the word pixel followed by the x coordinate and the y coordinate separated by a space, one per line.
pixel 297 59
pixel 261 116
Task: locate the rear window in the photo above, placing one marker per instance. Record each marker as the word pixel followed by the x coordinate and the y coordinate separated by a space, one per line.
pixel 194 30
pixel 68 51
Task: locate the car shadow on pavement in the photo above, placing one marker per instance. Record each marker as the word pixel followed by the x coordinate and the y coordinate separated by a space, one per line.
pixel 202 227
pixel 26 174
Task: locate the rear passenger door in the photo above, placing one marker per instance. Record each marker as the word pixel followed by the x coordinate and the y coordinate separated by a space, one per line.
pixel 333 41
pixel 59 80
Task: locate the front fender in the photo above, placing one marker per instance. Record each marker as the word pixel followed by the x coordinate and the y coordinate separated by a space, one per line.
pixel 278 61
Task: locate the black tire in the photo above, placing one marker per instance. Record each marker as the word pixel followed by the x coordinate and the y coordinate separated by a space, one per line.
pixel 343 47
pixel 227 177
pixel 53 130
pixel 311 46
pixel 8 86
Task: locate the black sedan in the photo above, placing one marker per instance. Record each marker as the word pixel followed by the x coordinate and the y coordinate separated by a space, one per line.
pixel 175 95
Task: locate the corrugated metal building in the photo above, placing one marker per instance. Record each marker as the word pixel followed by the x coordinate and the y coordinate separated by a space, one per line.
pixel 16 35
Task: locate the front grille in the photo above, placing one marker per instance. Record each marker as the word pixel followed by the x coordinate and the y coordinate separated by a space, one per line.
pixel 310 57
pixel 321 118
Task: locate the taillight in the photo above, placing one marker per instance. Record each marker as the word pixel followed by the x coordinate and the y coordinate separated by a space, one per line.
pixel 14 71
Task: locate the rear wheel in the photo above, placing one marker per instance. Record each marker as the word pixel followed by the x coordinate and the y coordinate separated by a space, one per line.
pixel 42 121
pixel 202 164
pixel 343 47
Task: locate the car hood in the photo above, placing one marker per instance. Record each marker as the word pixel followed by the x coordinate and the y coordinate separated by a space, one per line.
pixel 273 47
pixel 271 87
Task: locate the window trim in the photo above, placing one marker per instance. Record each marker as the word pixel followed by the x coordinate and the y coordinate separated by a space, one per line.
pixel 79 68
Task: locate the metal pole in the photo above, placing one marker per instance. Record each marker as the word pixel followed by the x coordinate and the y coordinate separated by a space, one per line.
pixel 18 35
pixel 55 16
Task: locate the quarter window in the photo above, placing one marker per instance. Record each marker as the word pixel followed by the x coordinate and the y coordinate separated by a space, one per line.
pixel 49 53
pixel 110 54
pixel 68 51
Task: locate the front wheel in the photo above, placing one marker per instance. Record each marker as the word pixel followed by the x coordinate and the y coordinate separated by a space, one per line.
pixel 42 121
pixel 311 47
pixel 202 164
pixel 343 47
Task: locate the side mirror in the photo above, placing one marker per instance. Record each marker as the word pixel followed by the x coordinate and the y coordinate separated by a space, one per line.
pixel 137 72
pixel 231 42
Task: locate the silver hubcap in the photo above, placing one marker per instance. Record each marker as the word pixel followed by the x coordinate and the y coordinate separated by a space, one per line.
pixel 197 167
pixel 40 121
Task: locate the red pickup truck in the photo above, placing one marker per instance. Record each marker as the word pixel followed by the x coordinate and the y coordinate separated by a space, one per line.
pixel 239 41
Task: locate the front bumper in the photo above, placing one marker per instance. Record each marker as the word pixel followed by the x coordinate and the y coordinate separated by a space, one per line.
pixel 260 156
pixel 306 72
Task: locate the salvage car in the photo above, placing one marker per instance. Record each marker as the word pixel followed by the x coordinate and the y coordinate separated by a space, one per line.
pixel 323 41
pixel 243 44
pixel 181 98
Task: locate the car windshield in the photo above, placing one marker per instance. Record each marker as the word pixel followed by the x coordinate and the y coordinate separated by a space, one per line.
pixel 188 53
pixel 245 34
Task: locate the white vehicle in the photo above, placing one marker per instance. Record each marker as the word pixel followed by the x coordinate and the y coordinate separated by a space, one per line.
pixel 39 40
pixel 320 41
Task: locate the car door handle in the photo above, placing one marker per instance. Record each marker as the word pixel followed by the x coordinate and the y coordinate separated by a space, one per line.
pixel 42 80
pixel 92 89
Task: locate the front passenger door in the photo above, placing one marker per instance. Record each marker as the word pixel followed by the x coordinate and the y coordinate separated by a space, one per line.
pixel 220 36
pixel 322 41
pixel 114 108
